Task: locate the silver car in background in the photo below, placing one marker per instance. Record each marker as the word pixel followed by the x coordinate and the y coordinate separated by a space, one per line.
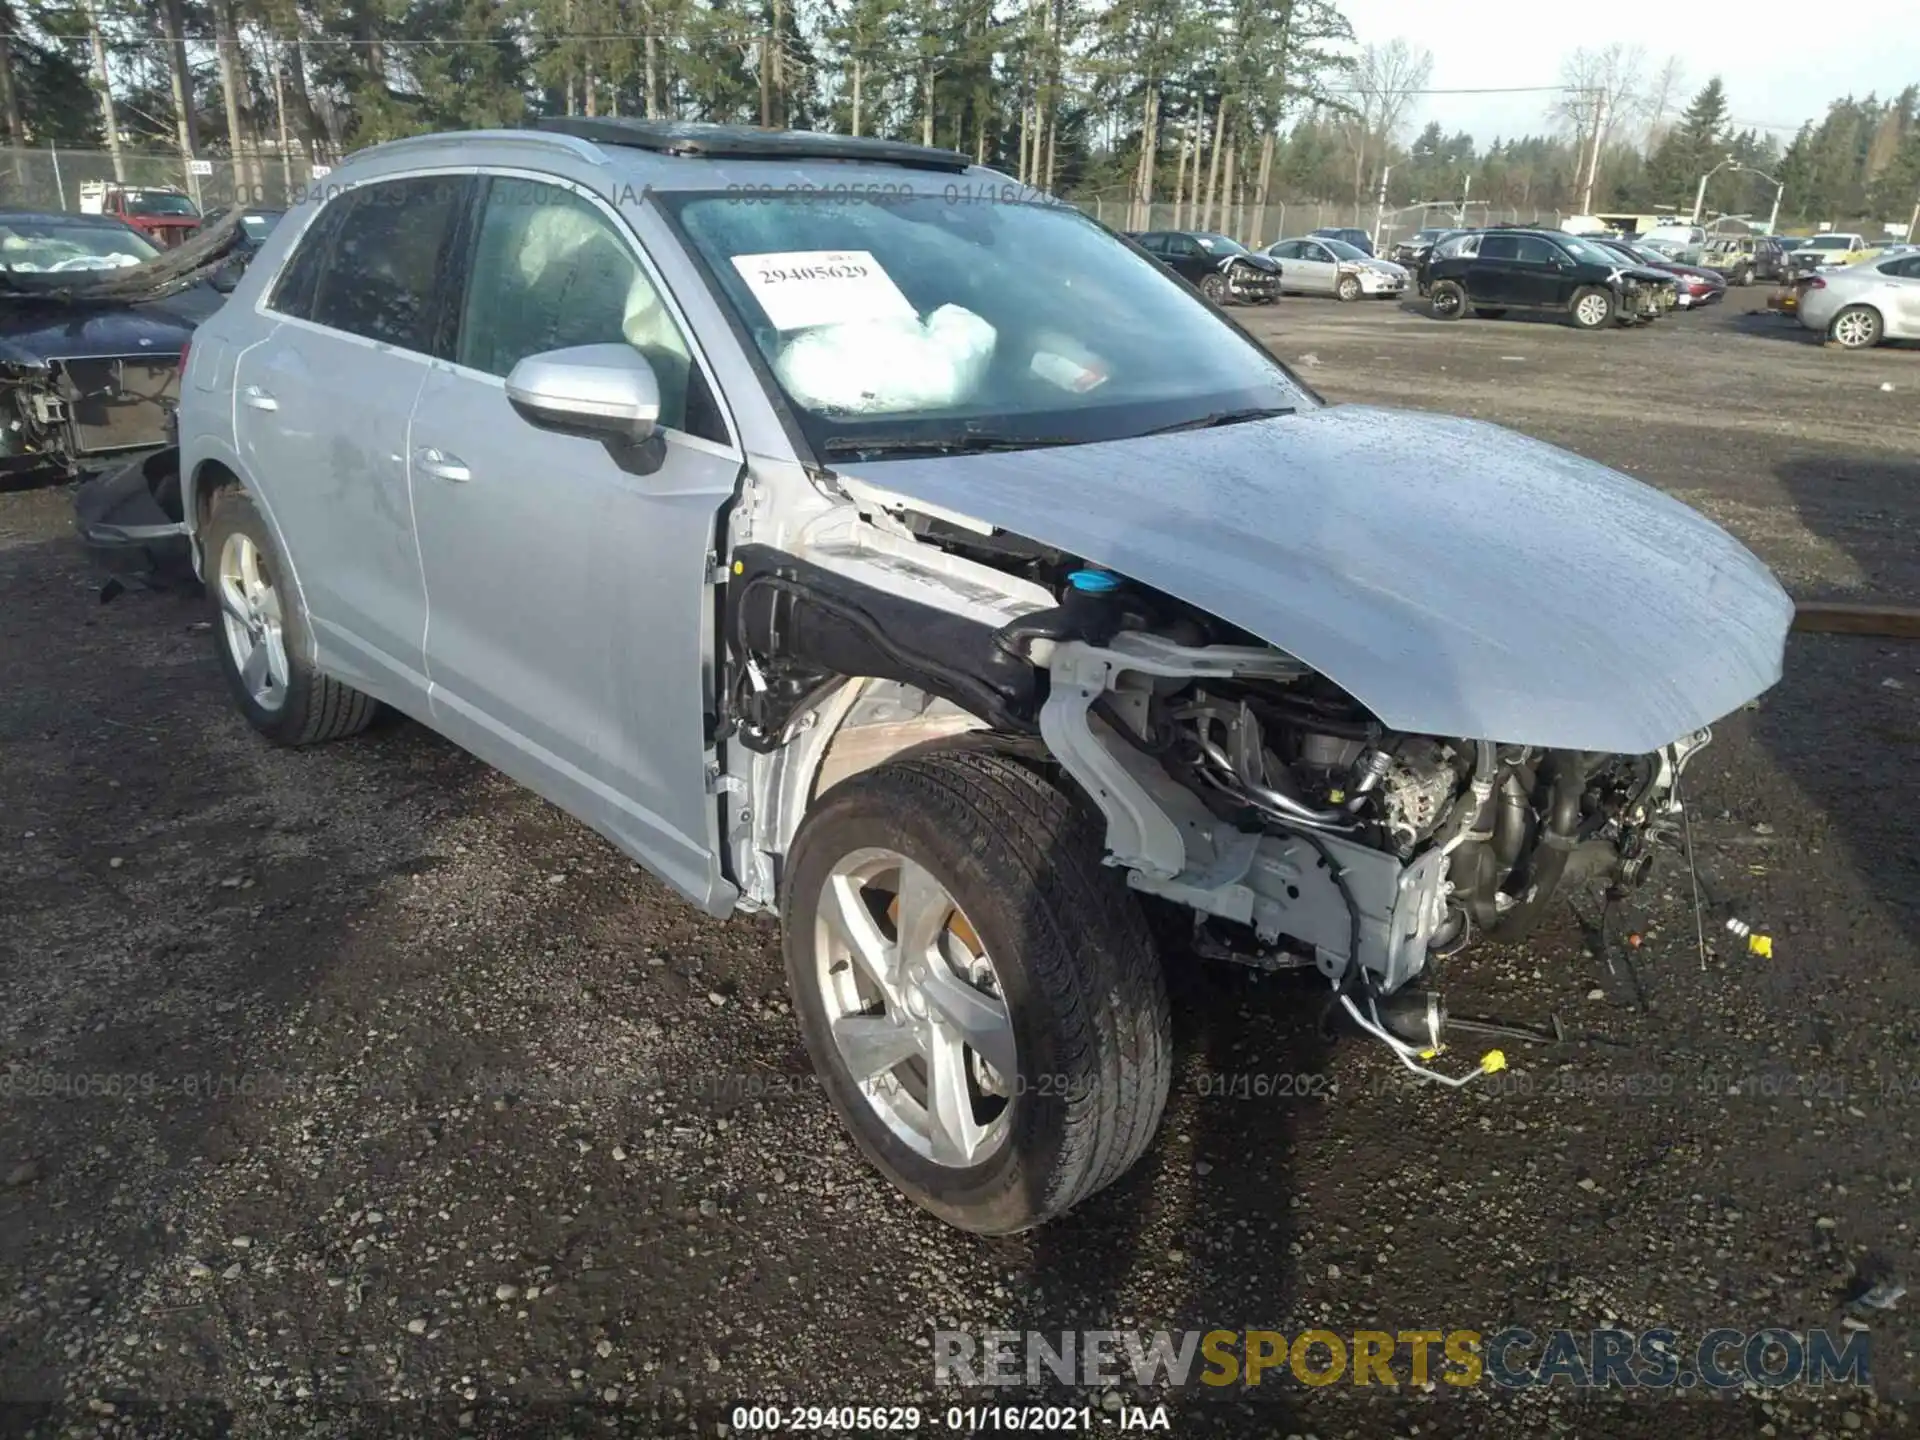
pixel 848 533
pixel 1318 265
pixel 1858 307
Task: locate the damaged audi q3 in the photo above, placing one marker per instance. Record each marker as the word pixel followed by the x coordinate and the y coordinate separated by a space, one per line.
pixel 848 533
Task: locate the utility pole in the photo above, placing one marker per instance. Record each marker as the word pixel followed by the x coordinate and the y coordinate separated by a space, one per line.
pixel 1460 216
pixel 1380 206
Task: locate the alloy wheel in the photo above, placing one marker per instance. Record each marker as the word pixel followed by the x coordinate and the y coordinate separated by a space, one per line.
pixel 915 1007
pixel 255 631
pixel 1591 310
pixel 1854 329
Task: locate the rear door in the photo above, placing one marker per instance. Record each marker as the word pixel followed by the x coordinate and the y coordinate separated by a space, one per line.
pixel 569 586
pixel 1184 254
pixel 322 409
pixel 1491 278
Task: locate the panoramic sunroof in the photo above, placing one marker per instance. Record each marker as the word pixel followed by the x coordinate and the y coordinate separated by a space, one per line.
pixel 680 137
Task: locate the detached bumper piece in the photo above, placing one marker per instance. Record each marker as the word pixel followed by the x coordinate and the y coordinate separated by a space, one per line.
pixel 131 524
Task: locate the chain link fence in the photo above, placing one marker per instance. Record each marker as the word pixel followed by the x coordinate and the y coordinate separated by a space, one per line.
pixel 50 177
pixel 1258 225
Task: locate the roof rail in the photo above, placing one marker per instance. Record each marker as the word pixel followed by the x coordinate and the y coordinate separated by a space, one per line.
pixel 745 142
pixel 540 140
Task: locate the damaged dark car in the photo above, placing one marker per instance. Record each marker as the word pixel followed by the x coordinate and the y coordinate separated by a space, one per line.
pixel 93 317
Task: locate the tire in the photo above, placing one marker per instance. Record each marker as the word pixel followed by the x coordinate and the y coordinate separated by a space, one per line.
pixel 1484 312
pixel 1448 299
pixel 1072 981
pixel 1348 289
pixel 260 620
pixel 1743 277
pixel 1858 327
pixel 1591 308
pixel 1214 287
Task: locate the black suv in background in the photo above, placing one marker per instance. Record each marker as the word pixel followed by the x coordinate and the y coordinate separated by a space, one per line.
pixel 1359 239
pixel 1773 257
pixel 1218 266
pixel 1541 270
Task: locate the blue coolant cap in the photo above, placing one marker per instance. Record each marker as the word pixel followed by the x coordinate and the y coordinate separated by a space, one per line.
pixel 1093 582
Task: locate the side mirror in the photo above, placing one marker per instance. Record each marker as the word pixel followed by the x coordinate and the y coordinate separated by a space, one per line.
pixel 605 392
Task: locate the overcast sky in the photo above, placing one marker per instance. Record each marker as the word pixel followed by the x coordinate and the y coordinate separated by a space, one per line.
pixel 1778 70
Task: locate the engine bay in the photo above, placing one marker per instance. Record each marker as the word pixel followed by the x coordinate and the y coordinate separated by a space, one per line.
pixel 1235 780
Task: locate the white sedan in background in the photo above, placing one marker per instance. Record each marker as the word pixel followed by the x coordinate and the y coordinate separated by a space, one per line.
pixel 1858 307
pixel 1316 265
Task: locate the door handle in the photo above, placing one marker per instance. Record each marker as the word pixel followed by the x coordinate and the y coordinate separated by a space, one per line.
pixel 441 465
pixel 259 399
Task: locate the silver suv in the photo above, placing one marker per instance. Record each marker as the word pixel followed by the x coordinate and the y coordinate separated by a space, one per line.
pixel 844 530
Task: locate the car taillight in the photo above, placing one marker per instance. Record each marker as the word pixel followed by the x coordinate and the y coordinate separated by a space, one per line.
pixel 184 351
pixel 1814 282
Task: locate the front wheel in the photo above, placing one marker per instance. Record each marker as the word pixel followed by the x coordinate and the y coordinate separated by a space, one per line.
pixel 980 995
pixel 1592 308
pixel 1214 287
pixel 1855 328
pixel 1348 288
pixel 265 644
pixel 1449 300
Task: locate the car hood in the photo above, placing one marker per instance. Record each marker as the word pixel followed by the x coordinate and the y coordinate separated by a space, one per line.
pixel 1456 578
pixel 1257 261
pixel 35 330
pixel 1385 267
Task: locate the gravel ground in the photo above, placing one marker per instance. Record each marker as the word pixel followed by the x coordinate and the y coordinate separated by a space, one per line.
pixel 356 1089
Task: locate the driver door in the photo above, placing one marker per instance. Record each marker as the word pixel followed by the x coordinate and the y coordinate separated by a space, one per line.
pixel 1316 268
pixel 569 589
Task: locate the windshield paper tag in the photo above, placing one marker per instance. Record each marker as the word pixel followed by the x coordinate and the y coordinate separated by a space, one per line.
pixel 801 288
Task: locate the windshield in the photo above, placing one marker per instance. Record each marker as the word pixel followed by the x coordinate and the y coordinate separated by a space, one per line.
pixel 918 318
pixel 1586 250
pixel 159 202
pixel 1788 242
pixel 28 246
pixel 1220 244
pixel 1830 242
pixel 258 226
pixel 1343 250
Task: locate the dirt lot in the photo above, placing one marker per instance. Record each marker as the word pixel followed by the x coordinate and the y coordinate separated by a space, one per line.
pixel 356 1089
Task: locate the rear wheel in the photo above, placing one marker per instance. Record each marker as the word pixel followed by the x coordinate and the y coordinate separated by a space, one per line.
pixel 1855 328
pixel 980 994
pixel 265 644
pixel 1592 308
pixel 1449 300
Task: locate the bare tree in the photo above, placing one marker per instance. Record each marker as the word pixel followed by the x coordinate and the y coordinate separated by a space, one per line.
pixel 1662 94
pixel 1602 88
pixel 109 118
pixel 1385 80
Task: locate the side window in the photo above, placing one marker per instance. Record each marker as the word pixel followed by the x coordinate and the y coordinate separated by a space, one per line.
pixel 1536 251
pixel 1153 244
pixel 384 257
pixel 1317 253
pixel 1286 250
pixel 293 289
pixel 1500 247
pixel 551 270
